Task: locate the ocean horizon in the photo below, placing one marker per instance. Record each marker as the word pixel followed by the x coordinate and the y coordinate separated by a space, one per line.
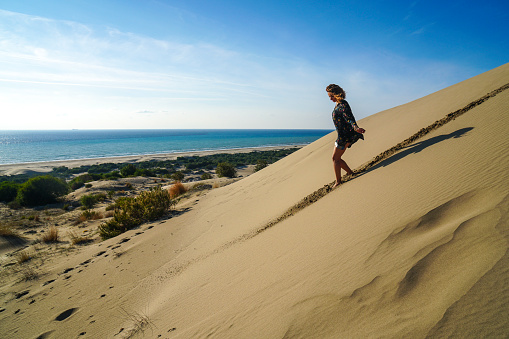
pixel 32 146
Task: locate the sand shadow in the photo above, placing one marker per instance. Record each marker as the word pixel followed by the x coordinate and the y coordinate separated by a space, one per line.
pixel 419 146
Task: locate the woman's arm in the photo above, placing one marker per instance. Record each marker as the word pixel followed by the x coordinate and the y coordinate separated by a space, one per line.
pixel 348 116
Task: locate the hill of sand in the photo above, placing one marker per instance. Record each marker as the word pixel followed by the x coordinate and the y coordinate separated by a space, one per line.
pixel 414 246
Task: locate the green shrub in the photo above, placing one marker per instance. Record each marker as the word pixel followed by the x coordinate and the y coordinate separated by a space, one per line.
pixel 88 201
pixel 128 170
pixel 8 191
pixel 144 173
pixel 76 184
pixel 225 169
pixel 41 190
pixel 83 179
pixel 260 164
pixel 132 212
pixel 100 197
pixel 206 176
pixel 178 176
pixel 112 175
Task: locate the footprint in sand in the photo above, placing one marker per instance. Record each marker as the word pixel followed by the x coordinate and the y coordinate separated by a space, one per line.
pixel 66 314
pixel 86 262
pixel 68 270
pixel 21 294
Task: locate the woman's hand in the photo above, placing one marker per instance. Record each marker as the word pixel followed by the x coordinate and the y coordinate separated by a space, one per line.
pixel 359 130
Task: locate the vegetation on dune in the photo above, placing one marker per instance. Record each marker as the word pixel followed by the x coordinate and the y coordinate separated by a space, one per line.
pixel 225 169
pixel 260 164
pixel 51 235
pixel 167 168
pixel 177 189
pixel 41 190
pixel 131 212
pixel 127 212
pixel 178 176
pixel 206 176
pixel 89 200
pixel 127 170
pixel 8 191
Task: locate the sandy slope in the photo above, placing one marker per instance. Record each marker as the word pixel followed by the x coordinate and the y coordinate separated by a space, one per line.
pixel 415 246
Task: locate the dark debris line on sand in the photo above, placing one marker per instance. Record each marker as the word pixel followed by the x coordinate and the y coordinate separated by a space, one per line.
pixel 326 189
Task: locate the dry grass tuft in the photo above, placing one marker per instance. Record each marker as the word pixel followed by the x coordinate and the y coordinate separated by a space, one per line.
pixel 8 232
pixel 78 240
pixel 89 215
pixel 139 323
pixel 177 189
pixel 23 257
pixel 51 235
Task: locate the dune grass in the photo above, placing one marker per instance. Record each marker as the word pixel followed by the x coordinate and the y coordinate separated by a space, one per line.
pixel 23 257
pixel 177 189
pixel 7 232
pixel 51 235
pixel 78 240
pixel 90 215
pixel 139 323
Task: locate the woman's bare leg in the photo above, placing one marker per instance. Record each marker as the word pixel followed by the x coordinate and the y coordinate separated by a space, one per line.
pixel 339 164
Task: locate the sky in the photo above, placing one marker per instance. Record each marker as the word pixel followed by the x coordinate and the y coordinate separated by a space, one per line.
pixel 223 64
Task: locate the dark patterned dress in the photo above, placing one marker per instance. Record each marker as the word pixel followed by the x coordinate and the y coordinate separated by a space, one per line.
pixel 345 124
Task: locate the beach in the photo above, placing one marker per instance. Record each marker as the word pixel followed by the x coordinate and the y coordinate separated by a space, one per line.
pixel 415 244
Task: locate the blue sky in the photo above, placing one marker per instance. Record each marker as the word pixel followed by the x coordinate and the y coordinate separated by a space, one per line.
pixel 92 64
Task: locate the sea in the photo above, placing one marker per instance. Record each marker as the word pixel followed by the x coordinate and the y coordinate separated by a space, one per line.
pixel 17 147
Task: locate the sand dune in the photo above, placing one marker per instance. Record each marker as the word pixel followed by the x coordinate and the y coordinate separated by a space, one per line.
pixel 414 246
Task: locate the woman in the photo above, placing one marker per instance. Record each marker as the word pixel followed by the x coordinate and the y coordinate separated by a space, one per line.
pixel 346 126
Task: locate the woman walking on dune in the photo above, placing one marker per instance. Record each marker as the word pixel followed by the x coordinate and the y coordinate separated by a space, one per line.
pixel 346 126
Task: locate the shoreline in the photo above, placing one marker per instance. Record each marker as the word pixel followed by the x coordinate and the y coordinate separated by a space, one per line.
pixel 47 166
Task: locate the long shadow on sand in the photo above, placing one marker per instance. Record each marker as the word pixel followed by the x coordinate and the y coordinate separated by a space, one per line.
pixel 419 146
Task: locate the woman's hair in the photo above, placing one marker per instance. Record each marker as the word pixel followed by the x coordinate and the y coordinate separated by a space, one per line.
pixel 337 91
